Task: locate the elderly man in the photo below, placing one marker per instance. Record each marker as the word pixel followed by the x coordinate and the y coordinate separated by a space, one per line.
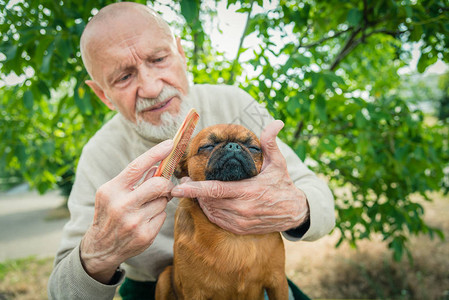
pixel 121 216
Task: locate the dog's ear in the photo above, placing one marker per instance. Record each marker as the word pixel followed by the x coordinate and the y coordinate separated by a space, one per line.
pixel 182 168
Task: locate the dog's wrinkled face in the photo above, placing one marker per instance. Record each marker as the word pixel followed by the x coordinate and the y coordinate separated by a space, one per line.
pixel 225 152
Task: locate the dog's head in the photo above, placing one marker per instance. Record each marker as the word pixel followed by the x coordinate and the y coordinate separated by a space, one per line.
pixel 225 152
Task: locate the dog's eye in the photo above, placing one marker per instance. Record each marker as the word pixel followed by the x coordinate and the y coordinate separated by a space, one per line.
pixel 254 149
pixel 208 147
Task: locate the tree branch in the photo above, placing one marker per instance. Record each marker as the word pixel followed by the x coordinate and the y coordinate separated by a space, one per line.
pixel 326 38
pixel 393 33
pixel 348 47
pixel 236 60
pixel 365 13
pixel 299 130
pixel 352 42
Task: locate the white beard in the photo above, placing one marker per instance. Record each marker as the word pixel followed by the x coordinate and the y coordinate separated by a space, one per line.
pixel 169 123
pixel 168 127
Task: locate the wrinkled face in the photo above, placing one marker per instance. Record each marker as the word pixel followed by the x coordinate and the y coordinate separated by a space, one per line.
pixel 138 68
pixel 223 152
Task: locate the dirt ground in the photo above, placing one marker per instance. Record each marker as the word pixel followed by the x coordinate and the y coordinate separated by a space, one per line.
pixel 369 272
pixel 318 268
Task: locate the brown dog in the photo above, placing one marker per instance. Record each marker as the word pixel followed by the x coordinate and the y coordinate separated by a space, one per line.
pixel 210 262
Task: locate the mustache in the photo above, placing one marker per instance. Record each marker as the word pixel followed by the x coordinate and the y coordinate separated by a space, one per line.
pixel 166 93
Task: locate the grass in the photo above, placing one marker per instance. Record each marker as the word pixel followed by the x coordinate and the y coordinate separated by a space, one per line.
pixel 319 269
pixel 25 279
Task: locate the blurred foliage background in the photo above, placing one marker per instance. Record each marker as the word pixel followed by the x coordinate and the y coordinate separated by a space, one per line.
pixel 329 69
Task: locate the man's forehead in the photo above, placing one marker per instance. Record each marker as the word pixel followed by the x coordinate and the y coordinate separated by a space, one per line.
pixel 123 13
pixel 120 25
pixel 124 24
pixel 124 33
pixel 126 19
pixel 117 49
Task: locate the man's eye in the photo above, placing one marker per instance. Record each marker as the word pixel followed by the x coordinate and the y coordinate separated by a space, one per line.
pixel 206 148
pixel 124 78
pixel 158 60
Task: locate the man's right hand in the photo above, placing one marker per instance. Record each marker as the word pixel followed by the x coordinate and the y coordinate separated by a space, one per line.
pixel 127 218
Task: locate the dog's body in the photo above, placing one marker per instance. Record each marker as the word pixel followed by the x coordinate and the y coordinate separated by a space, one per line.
pixel 210 262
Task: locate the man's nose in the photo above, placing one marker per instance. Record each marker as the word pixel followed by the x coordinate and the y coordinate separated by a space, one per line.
pixel 150 84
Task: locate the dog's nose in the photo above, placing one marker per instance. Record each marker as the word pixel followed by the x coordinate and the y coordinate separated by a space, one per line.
pixel 233 147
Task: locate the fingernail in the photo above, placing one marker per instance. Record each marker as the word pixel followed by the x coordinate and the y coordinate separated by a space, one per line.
pixel 177 192
pixel 167 143
pixel 185 179
pixel 151 172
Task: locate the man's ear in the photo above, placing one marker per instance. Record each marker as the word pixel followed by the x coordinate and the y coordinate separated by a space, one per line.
pixel 100 93
pixel 181 50
pixel 182 169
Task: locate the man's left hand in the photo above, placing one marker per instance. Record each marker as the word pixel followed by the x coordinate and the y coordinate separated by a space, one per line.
pixel 268 202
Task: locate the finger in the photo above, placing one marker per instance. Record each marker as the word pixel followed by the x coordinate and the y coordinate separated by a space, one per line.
pixel 213 189
pixel 153 188
pixel 150 173
pixel 155 224
pixel 185 179
pixel 155 206
pixel 237 207
pixel 216 216
pixel 229 221
pixel 238 224
pixel 270 149
pixel 137 168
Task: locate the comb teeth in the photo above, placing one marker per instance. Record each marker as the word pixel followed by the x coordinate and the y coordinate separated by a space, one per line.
pixel 181 140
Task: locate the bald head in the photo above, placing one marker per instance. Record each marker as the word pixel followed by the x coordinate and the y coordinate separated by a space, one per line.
pixel 110 20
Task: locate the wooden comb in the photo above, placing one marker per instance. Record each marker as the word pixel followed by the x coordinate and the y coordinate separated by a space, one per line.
pixel 180 142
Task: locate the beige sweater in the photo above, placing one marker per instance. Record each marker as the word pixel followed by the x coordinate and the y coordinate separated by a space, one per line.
pixel 116 144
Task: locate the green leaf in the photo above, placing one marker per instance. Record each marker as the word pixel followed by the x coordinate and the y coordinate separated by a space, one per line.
pixel 87 101
pixel 242 9
pixel 304 14
pixel 354 17
pixel 42 46
pixel 318 83
pixel 292 105
pixel 321 107
pixel 328 144
pixel 27 36
pixel 362 144
pixel 360 119
pixel 408 9
pixel 190 10
pixel 64 47
pixel 28 100
pixel 331 77
pixel 46 60
pixel 9 51
pixel 301 151
pixel 398 248
pixel 43 88
pixel 48 147
pixel 301 59
pixel 79 99
pixel 22 156
pixel 440 234
pixel 425 61
pixel 82 99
